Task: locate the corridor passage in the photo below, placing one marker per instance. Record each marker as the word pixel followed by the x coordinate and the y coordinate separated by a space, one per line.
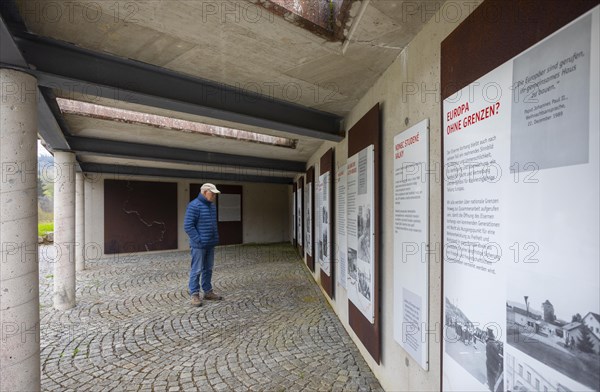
pixel 134 329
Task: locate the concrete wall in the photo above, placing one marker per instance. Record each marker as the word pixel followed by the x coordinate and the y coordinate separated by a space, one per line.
pixel 265 211
pixel 408 92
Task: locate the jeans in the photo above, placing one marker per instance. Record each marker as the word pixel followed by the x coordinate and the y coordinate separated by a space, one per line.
pixel 203 260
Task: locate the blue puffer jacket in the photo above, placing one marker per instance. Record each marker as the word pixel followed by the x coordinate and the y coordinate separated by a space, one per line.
pixel 200 223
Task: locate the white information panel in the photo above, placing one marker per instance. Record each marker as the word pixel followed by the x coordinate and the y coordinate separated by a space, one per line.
pixel 299 216
pixel 521 221
pixel 318 219
pixel 308 240
pixel 324 222
pixel 293 215
pixel 230 207
pixel 340 238
pixel 411 241
pixel 360 231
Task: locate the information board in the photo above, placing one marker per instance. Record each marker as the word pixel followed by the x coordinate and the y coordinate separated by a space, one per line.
pixel 324 244
pixel 360 231
pixel 340 238
pixel 299 228
pixel 411 241
pixel 521 221
pixel 230 207
pixel 294 215
pixel 308 217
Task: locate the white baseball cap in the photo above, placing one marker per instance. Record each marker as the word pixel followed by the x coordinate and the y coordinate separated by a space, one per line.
pixel 209 187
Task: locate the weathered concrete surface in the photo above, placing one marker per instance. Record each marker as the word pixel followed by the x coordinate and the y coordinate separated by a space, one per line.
pixel 64 230
pixel 19 300
pixel 239 43
pixel 133 328
pixel 234 42
pixel 79 222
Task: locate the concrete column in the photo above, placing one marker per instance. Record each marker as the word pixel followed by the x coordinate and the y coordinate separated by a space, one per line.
pixel 64 230
pixel 92 251
pixel 79 225
pixel 19 275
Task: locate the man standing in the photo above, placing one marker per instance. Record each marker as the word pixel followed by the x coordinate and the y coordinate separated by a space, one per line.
pixel 200 224
pixel 494 362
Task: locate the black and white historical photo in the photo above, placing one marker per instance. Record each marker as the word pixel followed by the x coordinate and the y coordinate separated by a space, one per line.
pixel 364 284
pixel 475 346
pixel 352 259
pixel 324 253
pixel 563 335
pixel 364 233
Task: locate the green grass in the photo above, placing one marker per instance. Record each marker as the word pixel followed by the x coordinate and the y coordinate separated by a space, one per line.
pixel 45 227
pixel 45 216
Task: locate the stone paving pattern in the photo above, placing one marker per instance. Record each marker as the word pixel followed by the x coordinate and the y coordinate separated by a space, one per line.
pixel 134 329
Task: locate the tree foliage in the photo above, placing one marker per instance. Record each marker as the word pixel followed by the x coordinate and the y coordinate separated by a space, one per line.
pixel 584 342
pixel 45 183
pixel 548 311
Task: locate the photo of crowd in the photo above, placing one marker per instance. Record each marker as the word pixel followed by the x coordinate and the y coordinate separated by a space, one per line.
pixel 475 347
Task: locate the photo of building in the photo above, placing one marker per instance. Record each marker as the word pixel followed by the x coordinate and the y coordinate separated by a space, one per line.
pixel 569 349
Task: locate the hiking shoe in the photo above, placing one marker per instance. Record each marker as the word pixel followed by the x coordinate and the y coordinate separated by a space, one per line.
pixel 195 300
pixel 210 296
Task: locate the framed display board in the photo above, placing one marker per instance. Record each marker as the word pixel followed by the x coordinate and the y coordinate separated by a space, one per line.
pixel 521 223
pixel 300 216
pixel 363 230
pixel 294 189
pixel 340 226
pixel 325 242
pixel 229 207
pixel 309 218
pixel 360 233
pixel 411 241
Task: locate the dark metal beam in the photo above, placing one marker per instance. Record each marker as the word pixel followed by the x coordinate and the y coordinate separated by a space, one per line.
pixel 158 172
pixel 10 55
pixel 152 152
pixel 52 127
pixel 73 69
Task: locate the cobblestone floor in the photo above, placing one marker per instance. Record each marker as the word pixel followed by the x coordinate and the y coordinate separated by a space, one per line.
pixel 133 328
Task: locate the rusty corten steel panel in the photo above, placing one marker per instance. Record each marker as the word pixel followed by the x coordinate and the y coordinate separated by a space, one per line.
pixel 365 132
pixel 230 233
pixel 139 216
pixel 327 166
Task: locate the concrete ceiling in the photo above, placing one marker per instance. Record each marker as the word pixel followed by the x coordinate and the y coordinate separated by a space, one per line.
pixel 240 45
